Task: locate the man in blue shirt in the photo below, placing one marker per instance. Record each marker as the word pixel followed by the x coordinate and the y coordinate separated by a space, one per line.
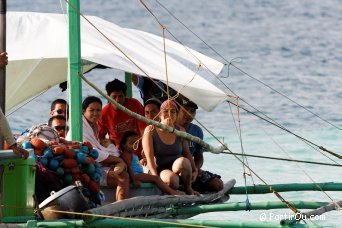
pixel 206 181
pixel 151 88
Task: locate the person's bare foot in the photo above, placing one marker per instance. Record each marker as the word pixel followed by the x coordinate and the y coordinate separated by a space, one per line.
pixel 190 191
pixel 176 192
pixel 181 193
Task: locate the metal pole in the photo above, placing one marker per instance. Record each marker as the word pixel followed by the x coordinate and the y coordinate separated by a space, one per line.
pixel 3 9
pixel 128 81
pixel 74 81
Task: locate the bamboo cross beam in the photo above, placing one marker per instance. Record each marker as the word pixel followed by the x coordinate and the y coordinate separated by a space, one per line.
pixel 181 134
pixel 313 214
pixel 332 206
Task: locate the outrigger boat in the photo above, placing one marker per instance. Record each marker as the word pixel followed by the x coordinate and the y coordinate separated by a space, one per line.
pixel 105 44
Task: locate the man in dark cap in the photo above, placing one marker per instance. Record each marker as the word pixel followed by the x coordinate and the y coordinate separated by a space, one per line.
pixel 205 181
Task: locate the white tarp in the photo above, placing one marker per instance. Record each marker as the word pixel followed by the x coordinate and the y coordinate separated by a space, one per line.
pixel 37 44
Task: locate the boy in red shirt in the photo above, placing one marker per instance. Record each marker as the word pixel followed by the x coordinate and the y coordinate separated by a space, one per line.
pixel 115 122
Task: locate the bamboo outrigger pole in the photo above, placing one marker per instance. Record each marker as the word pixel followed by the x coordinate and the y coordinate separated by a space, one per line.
pixel 241 206
pixel 3 10
pixel 263 189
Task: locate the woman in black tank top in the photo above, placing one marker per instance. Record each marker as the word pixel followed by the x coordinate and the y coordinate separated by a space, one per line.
pixel 167 155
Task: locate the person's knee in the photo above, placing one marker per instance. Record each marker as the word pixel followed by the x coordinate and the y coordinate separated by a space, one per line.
pixel 174 182
pixel 181 164
pixel 123 178
pixel 170 178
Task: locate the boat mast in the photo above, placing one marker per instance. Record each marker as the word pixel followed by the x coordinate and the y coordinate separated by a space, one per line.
pixel 128 81
pixel 74 65
pixel 3 9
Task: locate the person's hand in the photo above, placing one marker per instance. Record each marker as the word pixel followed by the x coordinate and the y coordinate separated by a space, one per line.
pixel 119 167
pixel 111 159
pixel 105 142
pixel 199 172
pixel 20 151
pixel 3 59
pixel 117 160
pixel 143 162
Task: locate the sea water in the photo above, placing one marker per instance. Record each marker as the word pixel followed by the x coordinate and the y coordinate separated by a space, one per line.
pixel 294 47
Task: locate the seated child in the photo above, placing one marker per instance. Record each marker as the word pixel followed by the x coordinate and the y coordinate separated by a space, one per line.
pixel 127 146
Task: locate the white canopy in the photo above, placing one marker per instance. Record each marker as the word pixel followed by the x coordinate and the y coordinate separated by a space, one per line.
pixel 37 44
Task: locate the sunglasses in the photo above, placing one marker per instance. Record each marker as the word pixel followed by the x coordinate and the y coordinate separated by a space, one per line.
pixel 60 128
pixel 59 111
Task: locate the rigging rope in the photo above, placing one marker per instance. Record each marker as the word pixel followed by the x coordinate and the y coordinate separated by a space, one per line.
pixel 278 125
pixel 270 187
pixel 290 132
pixel 231 64
pixel 185 47
pixel 248 204
pixel 320 147
pixel 125 218
pixel 165 62
pixel 283 159
pixel 292 208
pixel 130 59
pixel 313 181
pixel 165 54
pixel 150 122
pixel 99 215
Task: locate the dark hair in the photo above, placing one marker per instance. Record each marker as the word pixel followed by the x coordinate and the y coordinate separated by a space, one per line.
pixel 190 104
pixel 57 117
pixel 124 139
pixel 88 100
pixel 116 85
pixel 57 101
pixel 154 101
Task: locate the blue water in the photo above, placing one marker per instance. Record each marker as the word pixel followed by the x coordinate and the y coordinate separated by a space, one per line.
pixel 293 46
